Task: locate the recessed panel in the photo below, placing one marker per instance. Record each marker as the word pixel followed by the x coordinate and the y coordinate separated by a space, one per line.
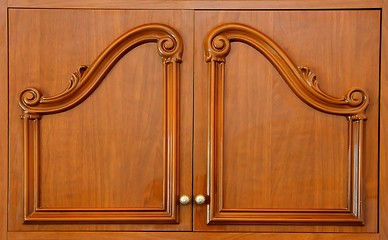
pixel 112 160
pixel 276 148
pixel 108 151
pixel 277 161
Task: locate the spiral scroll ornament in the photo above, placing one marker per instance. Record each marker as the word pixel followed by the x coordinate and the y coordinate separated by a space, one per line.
pixel 219 48
pixel 301 80
pixel 357 97
pixel 85 80
pixel 30 96
pixel 168 49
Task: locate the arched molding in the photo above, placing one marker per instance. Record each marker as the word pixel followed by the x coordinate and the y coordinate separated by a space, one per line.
pixel 86 79
pixel 301 80
pixel 304 84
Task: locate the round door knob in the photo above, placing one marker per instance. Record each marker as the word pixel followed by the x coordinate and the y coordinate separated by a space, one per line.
pixel 184 200
pixel 200 199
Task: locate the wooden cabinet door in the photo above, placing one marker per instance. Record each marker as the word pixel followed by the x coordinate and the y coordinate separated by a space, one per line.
pixel 275 153
pixel 117 155
pixel 109 149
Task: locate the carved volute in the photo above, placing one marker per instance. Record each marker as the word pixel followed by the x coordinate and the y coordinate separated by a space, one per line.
pixel 301 80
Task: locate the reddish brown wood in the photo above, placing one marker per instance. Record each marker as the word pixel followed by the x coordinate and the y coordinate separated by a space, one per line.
pixel 88 35
pixel 383 170
pixel 82 84
pixel 198 4
pixel 270 136
pixel 85 81
pixel 187 235
pixel 3 120
pixel 305 86
pixel 127 162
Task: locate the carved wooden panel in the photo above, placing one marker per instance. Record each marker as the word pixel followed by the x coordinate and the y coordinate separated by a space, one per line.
pixel 107 148
pixel 82 84
pixel 305 86
pixel 279 154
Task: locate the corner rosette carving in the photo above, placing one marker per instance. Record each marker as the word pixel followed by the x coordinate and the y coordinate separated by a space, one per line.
pixel 301 80
pixel 86 79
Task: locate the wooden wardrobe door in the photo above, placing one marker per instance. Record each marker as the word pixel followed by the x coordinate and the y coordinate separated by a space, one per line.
pixel 268 158
pixel 119 159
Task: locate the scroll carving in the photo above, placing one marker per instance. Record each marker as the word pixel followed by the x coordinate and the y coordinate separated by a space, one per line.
pixel 82 83
pixel 303 82
pixel 86 79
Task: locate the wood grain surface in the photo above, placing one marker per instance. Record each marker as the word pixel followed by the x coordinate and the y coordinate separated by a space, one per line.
pixel 200 4
pixel 188 236
pixel 107 153
pixel 383 170
pixel 279 153
pixel 339 40
pixel 3 120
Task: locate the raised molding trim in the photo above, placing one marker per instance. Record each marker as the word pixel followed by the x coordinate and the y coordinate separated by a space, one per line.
pixel 302 81
pixel 86 79
pixel 81 85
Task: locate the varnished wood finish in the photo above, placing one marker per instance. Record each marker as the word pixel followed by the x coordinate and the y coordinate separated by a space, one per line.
pixel 383 170
pixel 82 84
pixel 305 86
pixel 124 165
pixel 199 4
pixel 80 36
pixel 3 120
pixel 188 236
pixel 270 136
pixel 87 79
pixel 301 80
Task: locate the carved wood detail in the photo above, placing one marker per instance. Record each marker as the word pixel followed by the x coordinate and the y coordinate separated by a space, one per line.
pixel 304 84
pixel 81 85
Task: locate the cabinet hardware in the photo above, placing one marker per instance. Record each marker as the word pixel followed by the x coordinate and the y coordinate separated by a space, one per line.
pixel 200 199
pixel 185 200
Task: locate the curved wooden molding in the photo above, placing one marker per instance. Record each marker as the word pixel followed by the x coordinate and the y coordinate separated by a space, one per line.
pixel 304 84
pixel 82 83
pixel 86 79
pixel 301 80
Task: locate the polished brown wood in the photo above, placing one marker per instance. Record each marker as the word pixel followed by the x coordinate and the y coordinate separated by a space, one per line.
pixel 306 87
pixel 82 84
pixel 270 136
pixel 86 79
pixel 118 159
pixel 87 32
pixel 383 170
pixel 3 120
pixel 188 236
pixel 199 4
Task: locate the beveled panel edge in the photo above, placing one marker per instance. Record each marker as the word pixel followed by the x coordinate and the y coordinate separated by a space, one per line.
pixel 82 84
pixel 102 217
pixel 198 5
pixel 86 79
pixel 303 83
